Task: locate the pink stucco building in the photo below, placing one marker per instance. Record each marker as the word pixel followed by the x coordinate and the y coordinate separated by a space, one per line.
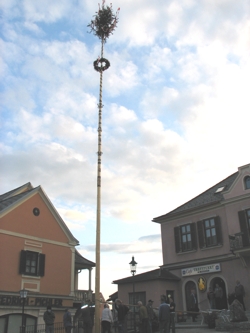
pixel 37 253
pixel 205 242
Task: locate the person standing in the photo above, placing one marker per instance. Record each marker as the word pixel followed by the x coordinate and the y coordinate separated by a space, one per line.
pixel 86 316
pixel 151 314
pixel 143 316
pixel 218 292
pixel 49 318
pixel 122 311
pixel 193 305
pixel 67 321
pixel 240 293
pixel 107 319
pixel 211 298
pixel 172 314
pixel 164 315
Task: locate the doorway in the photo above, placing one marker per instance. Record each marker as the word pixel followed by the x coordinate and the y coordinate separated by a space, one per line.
pixel 188 287
pixel 222 284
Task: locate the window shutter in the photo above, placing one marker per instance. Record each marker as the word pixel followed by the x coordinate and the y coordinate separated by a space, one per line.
pixel 243 227
pixel 218 230
pixel 22 262
pixel 200 227
pixel 193 236
pixel 41 268
pixel 177 240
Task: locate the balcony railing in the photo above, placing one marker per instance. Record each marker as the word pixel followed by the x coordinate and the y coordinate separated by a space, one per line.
pixel 83 295
pixel 236 241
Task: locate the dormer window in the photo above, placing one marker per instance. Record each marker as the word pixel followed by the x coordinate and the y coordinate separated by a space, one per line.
pixel 247 182
pixel 220 189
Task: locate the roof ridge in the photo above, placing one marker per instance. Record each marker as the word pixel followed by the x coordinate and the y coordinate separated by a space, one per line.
pixel 27 186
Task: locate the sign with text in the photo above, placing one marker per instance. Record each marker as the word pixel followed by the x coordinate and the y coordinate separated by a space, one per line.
pixel 33 301
pixel 212 268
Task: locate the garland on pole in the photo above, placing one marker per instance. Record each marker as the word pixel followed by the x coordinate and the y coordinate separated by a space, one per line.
pixel 101 64
pixel 104 22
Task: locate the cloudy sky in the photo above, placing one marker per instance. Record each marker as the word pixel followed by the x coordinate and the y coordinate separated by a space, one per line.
pixel 175 118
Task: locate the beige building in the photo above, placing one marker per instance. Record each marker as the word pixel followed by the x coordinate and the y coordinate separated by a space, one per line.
pixel 205 242
pixel 37 253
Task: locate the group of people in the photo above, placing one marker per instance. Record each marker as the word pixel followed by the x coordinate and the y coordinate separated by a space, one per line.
pixel 147 316
pixel 166 316
pixel 49 319
pixel 215 296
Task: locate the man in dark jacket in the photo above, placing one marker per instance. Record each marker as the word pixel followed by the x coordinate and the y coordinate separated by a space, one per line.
pixel 172 314
pixel 67 321
pixel 240 293
pixel 122 311
pixel 49 318
pixel 151 314
pixel 193 305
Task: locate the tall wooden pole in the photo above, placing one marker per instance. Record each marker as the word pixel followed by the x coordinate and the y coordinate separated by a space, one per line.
pixel 102 26
pixel 98 211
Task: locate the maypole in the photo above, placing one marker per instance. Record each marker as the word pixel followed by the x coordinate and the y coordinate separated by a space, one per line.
pixel 102 26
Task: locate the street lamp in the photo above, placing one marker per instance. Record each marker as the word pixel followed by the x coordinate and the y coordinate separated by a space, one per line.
pixel 133 265
pixel 23 296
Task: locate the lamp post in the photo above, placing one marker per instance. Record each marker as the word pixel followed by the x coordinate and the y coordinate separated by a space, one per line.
pixel 133 264
pixel 23 296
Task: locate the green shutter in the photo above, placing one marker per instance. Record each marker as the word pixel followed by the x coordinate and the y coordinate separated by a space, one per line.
pixel 41 268
pixel 177 239
pixel 243 227
pixel 200 227
pixel 193 236
pixel 218 230
pixel 22 262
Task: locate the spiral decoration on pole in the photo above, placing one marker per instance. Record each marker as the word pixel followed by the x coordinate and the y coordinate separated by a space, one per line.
pixel 102 25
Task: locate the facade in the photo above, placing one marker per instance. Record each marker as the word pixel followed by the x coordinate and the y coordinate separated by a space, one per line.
pixel 37 253
pixel 205 242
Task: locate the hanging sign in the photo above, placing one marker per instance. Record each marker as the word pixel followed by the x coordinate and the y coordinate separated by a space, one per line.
pixel 202 284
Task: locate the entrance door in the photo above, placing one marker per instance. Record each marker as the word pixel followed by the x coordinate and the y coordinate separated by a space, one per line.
pixel 221 283
pixel 188 287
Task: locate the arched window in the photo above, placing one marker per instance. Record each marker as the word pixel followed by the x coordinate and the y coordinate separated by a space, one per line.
pixel 247 182
pixel 12 322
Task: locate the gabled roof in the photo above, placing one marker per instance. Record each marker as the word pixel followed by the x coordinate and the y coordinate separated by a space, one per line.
pixel 206 198
pixel 13 198
pixel 81 262
pixel 156 274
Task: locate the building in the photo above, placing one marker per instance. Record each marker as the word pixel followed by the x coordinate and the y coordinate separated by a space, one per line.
pixel 205 242
pixel 37 253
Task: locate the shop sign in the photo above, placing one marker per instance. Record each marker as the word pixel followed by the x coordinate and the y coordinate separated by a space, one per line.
pixel 201 270
pixel 31 301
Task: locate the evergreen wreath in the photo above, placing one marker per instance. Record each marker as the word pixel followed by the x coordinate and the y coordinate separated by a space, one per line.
pixel 104 22
pixel 100 62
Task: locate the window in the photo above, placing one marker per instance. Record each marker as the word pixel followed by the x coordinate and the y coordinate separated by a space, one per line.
pixel 136 297
pixel 244 219
pixel 247 182
pixel 185 238
pixel 209 232
pixel 32 263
